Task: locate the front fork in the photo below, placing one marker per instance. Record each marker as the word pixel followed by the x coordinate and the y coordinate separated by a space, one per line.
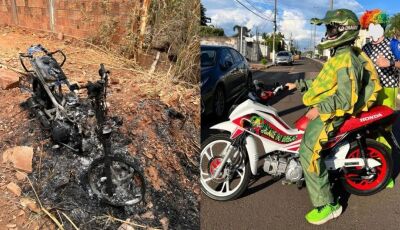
pixel 107 163
pixel 237 143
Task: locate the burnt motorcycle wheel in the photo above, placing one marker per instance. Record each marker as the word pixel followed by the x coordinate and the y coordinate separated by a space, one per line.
pixel 233 179
pixel 128 181
pixel 357 181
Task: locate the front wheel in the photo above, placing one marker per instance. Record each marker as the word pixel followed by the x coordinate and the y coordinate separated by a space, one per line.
pixel 361 182
pixel 234 177
pixel 127 182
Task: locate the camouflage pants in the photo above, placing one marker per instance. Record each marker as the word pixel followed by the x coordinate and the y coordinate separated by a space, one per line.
pixel 318 185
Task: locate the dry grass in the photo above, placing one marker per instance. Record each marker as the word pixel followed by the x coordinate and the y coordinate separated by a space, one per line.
pixel 171 28
pixel 176 30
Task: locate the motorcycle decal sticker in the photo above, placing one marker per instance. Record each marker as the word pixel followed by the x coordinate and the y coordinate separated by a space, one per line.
pixel 364 119
pixel 261 127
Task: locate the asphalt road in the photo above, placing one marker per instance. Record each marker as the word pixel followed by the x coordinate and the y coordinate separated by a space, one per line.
pixel 268 204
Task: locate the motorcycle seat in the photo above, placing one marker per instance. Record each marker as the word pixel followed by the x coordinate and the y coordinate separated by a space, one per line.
pixel 50 69
pixel 375 114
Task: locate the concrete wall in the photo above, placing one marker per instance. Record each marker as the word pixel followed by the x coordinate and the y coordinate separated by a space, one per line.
pixel 220 41
pixel 79 18
pixel 251 50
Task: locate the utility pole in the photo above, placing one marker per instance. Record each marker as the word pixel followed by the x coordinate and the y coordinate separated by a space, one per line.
pixel 257 44
pixel 273 41
pixel 315 35
pixel 311 40
pixel 331 1
pixel 241 41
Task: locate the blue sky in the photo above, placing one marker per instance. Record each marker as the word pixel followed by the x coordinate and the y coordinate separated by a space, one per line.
pixel 293 15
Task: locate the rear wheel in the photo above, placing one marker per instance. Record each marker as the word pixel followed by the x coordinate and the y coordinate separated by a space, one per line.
pixel 233 179
pixel 359 181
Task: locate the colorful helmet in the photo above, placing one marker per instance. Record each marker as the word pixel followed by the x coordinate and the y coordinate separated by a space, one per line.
pixel 342 27
pixel 375 16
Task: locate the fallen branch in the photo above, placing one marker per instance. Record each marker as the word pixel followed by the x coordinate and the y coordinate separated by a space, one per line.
pixel 65 215
pixel 153 66
pixel 129 223
pixel 20 71
pixel 59 225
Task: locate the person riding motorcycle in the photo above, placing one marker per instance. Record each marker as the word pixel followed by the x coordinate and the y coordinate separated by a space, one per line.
pixel 347 84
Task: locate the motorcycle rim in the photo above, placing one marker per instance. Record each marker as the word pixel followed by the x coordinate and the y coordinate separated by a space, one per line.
pixel 354 180
pixel 129 185
pixel 226 183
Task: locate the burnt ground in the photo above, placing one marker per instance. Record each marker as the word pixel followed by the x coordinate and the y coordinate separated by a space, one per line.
pixel 164 148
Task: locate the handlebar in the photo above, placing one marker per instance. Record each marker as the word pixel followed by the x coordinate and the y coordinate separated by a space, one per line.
pixel 261 94
pixel 103 72
pixel 280 88
pixel 99 87
pixel 39 48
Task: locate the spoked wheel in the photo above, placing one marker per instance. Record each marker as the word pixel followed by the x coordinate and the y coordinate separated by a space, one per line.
pixel 234 177
pixel 363 182
pixel 127 182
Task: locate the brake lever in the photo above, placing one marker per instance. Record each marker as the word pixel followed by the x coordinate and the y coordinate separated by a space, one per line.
pixel 277 89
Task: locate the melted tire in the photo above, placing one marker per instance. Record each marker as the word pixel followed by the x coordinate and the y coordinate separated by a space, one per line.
pixel 372 144
pixel 118 159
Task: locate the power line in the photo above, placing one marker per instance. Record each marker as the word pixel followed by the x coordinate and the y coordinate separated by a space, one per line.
pixel 253 11
pixel 251 4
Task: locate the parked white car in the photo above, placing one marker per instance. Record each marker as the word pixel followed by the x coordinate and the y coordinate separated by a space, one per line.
pixel 284 57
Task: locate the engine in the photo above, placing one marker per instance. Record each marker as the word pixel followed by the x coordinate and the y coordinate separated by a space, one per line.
pixel 277 166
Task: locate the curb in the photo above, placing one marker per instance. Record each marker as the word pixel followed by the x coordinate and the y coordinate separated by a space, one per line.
pixel 263 68
pixel 317 60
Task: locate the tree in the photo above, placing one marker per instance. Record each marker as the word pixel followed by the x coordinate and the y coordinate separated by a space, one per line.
pixel 394 26
pixel 238 28
pixel 279 41
pixel 210 31
pixel 203 18
pixel 205 30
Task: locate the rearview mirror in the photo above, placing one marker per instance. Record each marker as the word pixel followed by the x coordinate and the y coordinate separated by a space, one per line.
pixel 226 64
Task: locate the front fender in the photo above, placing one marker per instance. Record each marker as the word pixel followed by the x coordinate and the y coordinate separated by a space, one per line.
pixel 251 143
pixel 251 147
pixel 226 126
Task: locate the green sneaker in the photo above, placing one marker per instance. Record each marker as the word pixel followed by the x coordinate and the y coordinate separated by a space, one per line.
pixel 323 214
pixel 390 184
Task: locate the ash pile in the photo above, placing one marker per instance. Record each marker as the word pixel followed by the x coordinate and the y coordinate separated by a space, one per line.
pixel 60 177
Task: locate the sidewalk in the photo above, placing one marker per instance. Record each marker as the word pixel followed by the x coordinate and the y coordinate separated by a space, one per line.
pixel 259 67
pixel 318 60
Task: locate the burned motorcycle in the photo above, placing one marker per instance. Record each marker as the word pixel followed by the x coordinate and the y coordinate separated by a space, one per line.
pixel 113 178
pixel 57 110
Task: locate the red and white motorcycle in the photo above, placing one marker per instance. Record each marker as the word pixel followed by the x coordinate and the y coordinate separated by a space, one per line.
pixel 255 136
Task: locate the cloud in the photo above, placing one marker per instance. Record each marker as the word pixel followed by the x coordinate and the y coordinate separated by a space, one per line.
pixel 293 16
pixel 294 24
pixel 228 18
